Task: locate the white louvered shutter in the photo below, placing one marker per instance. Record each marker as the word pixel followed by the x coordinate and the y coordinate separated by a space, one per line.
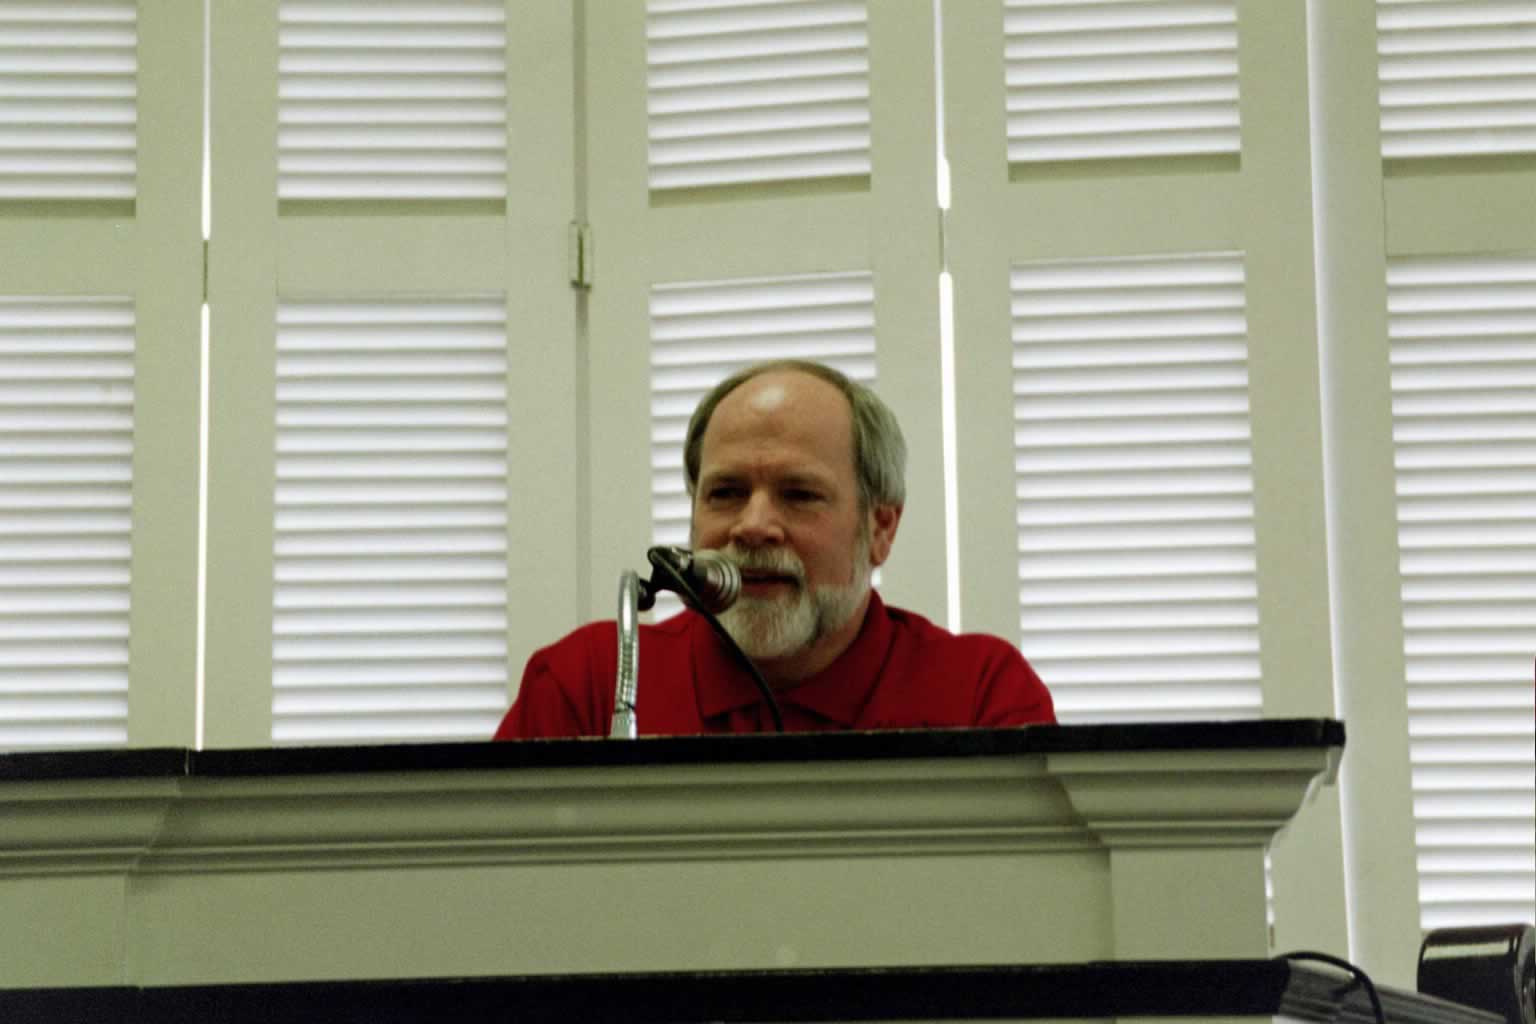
pixel 702 332
pixel 1457 78
pixel 68 116
pixel 390 610
pixel 1463 337
pixel 1088 80
pixel 392 101
pixel 769 91
pixel 66 489
pixel 1135 495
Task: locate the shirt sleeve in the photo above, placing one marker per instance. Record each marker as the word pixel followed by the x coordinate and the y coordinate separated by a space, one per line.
pixel 541 710
pixel 556 698
pixel 1011 693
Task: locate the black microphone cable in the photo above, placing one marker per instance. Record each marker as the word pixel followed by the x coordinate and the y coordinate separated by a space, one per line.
pixel 676 581
pixel 1358 976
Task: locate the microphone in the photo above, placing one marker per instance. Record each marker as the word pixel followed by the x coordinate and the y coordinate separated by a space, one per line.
pixel 711 583
pixel 713 578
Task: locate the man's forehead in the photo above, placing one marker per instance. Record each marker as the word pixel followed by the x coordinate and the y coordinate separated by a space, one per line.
pixel 771 392
pixel 768 397
pixel 789 406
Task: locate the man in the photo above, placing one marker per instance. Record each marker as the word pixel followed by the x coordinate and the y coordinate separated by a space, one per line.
pixel 796 475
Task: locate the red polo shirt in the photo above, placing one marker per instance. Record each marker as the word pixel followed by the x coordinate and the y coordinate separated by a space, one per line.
pixel 901 672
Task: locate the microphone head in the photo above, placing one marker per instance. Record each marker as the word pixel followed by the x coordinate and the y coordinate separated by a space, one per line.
pixel 723 584
pixel 712 576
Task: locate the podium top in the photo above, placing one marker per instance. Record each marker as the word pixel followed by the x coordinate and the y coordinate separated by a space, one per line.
pixel 1091 991
pixel 177 762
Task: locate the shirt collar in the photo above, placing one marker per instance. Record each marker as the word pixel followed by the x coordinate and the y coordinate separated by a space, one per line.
pixel 838 692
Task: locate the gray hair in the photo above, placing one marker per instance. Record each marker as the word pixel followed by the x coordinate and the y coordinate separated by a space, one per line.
pixel 879 450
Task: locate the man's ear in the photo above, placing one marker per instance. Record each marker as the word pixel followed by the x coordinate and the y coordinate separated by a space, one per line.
pixel 882 533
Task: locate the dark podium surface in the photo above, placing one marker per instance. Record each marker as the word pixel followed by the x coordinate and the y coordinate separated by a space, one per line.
pixel 1262 988
pixel 1259 734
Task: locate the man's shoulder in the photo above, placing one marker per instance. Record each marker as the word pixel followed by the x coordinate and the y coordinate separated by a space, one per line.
pixel 920 629
pixel 582 638
pixel 958 679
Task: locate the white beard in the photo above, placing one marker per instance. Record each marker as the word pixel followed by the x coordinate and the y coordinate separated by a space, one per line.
pixel 767 629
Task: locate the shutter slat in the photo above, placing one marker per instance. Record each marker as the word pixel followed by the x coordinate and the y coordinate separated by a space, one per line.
pixel 1092 81
pixel 66 482
pixel 776 91
pixel 390 530
pixel 1135 513
pixel 1456 79
pixel 1461 333
pixel 68 100
pixel 396 101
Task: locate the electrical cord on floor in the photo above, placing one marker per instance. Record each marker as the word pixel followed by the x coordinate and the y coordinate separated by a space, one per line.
pixel 1359 976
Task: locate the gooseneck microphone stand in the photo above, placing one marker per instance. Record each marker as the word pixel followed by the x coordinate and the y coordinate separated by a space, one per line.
pixel 634 598
pixel 673 569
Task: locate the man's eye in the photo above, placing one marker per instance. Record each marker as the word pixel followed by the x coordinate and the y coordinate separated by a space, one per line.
pixel 723 493
pixel 801 495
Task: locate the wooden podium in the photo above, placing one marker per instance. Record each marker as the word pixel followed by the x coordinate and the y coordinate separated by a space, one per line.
pixel 1040 845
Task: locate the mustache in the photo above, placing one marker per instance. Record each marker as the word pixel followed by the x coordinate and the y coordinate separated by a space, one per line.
pixel 780 561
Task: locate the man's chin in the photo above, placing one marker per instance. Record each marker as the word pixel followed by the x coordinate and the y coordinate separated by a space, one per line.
pixel 768 629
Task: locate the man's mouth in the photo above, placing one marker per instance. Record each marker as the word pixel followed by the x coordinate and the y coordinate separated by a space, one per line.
pixel 763 579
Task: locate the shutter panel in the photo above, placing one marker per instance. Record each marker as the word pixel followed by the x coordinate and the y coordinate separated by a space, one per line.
pixel 68 120
pixel 755 92
pixel 391 557
pixel 1457 78
pixel 392 101
pixel 1135 496
pixel 702 332
pixel 1088 80
pixel 1463 337
pixel 66 488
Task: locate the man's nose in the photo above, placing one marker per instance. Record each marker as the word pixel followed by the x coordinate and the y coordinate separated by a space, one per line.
pixel 758 525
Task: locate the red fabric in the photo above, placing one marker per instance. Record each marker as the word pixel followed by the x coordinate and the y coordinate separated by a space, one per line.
pixel 901 672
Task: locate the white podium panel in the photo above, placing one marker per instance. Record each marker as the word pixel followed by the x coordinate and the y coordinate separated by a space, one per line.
pixel 1039 845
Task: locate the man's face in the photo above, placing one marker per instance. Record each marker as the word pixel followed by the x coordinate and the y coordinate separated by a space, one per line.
pixel 777 491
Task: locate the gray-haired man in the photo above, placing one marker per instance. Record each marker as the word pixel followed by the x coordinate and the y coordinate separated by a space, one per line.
pixel 796 474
